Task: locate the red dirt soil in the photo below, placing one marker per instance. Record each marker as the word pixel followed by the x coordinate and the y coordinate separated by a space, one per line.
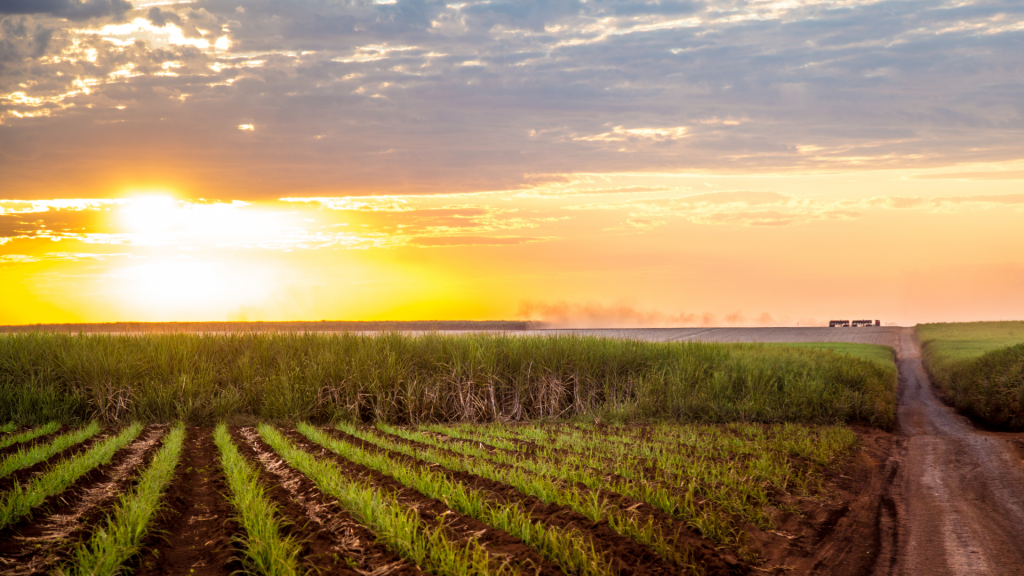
pixel 25 475
pixel 193 533
pixel 45 438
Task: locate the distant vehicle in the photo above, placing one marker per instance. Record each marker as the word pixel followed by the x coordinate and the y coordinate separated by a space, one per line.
pixel 838 323
pixel 859 323
pixel 878 322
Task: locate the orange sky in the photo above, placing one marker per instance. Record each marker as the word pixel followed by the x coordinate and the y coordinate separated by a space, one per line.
pixel 607 163
pixel 691 250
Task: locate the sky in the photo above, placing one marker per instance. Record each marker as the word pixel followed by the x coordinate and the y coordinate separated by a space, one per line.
pixel 584 163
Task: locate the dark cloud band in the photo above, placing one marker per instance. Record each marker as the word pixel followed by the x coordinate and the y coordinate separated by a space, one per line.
pixel 70 9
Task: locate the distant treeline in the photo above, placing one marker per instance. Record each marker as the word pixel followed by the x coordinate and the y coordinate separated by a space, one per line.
pixel 299 326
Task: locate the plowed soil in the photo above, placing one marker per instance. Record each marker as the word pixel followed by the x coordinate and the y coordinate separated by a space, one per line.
pixel 459 528
pixel 626 555
pixel 333 543
pixel 193 532
pixel 25 475
pixel 44 439
pixel 37 543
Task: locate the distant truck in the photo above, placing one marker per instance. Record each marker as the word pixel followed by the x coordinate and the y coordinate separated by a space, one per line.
pixel 855 324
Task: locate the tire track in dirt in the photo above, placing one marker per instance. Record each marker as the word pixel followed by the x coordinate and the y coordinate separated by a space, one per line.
pixel 329 535
pixel 626 555
pixel 40 544
pixel 459 527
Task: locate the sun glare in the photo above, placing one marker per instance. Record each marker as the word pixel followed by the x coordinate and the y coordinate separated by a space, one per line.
pixel 149 214
pixel 176 283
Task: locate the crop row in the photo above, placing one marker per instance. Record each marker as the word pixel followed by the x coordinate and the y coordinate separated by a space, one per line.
pixel 450 500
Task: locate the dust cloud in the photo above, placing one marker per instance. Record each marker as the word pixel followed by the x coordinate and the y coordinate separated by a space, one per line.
pixel 589 315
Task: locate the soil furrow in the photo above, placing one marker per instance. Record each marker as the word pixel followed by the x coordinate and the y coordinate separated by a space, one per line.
pixel 45 438
pixel 333 541
pixel 458 527
pixel 194 530
pixel 627 555
pixel 39 545
pixel 25 475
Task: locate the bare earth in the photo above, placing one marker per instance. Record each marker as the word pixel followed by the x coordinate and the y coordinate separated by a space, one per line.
pixel 949 502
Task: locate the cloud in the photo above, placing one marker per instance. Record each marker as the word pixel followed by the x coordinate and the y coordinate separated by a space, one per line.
pixel 70 9
pixel 740 208
pixel 160 18
pixel 982 176
pixel 418 97
pixel 763 208
pixel 18 259
pixel 449 241
pixel 945 203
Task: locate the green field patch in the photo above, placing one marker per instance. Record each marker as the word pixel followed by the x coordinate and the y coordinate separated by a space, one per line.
pixel 951 342
pixel 881 355
pixel 979 368
pixel 397 526
pixel 27 435
pixel 29 456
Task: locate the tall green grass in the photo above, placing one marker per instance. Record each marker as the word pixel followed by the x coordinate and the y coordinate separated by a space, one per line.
pixel 979 368
pixel 882 355
pixel 396 378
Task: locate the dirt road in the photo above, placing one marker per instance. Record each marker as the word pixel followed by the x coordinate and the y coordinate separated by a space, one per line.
pixel 960 505
pixel 885 335
pixel 951 502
